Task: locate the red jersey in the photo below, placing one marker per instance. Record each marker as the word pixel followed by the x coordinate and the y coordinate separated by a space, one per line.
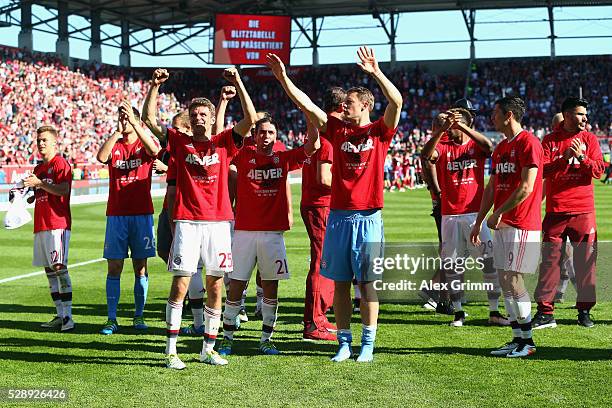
pixel 509 159
pixel 569 186
pixel 261 197
pixel 359 160
pixel 460 172
pixel 129 168
pixel 315 194
pixel 170 178
pixel 52 211
pixel 202 175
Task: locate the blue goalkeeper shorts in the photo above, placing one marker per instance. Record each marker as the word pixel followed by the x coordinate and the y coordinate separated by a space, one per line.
pixel 129 231
pixel 353 238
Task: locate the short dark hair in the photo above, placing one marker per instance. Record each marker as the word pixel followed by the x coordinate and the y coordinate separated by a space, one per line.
pixel 572 102
pixel 136 112
pixel 265 119
pixel 512 104
pixel 333 98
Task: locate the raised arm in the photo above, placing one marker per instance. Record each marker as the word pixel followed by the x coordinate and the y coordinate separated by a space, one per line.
pixel 369 65
pixel 483 142
pixel 227 93
pixel 149 109
pixel 313 142
pixel 149 144
pixel 104 153
pixel 248 109
pixel 306 105
pixel 429 152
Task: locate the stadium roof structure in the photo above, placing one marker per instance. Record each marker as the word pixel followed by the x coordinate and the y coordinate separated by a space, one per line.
pixel 144 23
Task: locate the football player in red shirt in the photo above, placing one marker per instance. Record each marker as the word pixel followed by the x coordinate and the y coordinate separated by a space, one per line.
pixel 515 192
pixel 129 153
pixel 51 181
pixel 461 161
pixel 355 221
pixel 202 211
pixel 572 159
pixel 314 208
pixel 261 208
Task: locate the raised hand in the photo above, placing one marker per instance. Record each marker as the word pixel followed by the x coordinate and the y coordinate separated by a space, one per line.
pixel 120 120
pixel 228 92
pixel 368 62
pixel 456 120
pixel 160 76
pixel 276 65
pixel 447 121
pixel 231 75
pixel 126 109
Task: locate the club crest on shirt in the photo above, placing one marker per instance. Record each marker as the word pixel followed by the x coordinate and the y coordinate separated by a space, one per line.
pixel 276 160
pixel 177 260
pixel 253 161
pixel 512 153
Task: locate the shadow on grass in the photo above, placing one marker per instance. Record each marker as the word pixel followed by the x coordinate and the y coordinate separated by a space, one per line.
pixel 37 357
pixel 543 353
pixel 80 328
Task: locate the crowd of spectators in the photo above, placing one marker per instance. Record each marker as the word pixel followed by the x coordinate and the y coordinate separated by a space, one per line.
pixel 82 102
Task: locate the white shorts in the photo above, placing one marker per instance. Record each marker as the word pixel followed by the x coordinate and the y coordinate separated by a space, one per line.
pixel 516 250
pixel 264 248
pixel 456 242
pixel 51 248
pixel 206 243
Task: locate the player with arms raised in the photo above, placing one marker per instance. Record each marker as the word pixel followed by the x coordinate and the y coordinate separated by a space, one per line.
pixel 460 161
pixel 202 211
pixel 261 219
pixel 129 153
pixel 355 229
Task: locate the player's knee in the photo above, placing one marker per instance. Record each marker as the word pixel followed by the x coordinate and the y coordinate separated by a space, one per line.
pixel 140 267
pixel 115 267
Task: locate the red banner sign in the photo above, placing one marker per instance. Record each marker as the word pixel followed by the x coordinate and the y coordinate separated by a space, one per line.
pixel 246 38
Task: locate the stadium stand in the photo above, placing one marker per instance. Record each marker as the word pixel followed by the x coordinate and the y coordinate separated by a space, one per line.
pixel 82 101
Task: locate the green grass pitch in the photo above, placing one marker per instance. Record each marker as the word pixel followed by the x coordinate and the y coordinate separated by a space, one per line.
pixel 419 360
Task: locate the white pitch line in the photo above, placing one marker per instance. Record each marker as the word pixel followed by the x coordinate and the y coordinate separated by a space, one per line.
pixel 27 275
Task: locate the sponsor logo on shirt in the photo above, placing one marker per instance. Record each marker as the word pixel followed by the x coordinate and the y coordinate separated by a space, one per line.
pixel 505 168
pixel 202 161
pixel 128 164
pixel 362 147
pixel 265 174
pixel 461 165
